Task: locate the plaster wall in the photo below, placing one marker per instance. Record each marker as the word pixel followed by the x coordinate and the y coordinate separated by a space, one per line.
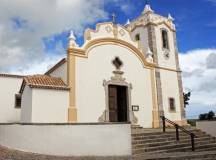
pixel 69 140
pixel 61 72
pixel 26 108
pixel 9 86
pixel 169 84
pixel 49 105
pixel 92 71
pixel 143 37
pixel 162 61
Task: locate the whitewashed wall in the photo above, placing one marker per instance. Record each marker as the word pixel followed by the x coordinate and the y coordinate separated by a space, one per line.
pixel 169 84
pixel 143 37
pixel 50 105
pixel 171 62
pixel 207 126
pixel 26 109
pixel 9 86
pixel 45 105
pixel 61 72
pixel 90 92
pixel 69 140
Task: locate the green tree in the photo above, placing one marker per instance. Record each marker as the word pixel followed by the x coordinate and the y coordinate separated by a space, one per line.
pixel 207 116
pixel 186 98
pixel 210 115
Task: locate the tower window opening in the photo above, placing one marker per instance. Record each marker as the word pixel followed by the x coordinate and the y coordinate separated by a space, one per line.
pixel 137 37
pixel 172 104
pixel 165 41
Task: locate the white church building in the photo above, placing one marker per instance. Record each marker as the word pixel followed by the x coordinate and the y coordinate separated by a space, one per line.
pixel 122 73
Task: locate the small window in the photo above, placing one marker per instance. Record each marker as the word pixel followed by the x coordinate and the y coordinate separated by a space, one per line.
pixel 17 101
pixel 172 104
pixel 165 40
pixel 137 37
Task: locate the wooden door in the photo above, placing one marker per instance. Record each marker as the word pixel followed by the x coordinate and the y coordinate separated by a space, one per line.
pixel 122 103
pixel 113 108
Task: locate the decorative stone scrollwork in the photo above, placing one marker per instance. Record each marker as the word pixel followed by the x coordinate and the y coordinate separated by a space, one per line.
pixel 119 80
pixel 108 29
pixel 134 119
pixel 102 118
pixel 122 32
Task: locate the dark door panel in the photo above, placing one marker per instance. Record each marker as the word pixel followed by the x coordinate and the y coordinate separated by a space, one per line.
pixel 118 110
pixel 113 104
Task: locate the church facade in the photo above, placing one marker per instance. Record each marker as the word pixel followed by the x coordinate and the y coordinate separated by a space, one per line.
pixel 121 73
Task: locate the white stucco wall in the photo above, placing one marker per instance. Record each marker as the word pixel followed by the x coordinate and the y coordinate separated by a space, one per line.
pixel 163 62
pixel 61 72
pixel 49 105
pixel 69 140
pixel 9 86
pixel 207 126
pixel 26 109
pixel 143 37
pixel 169 84
pixel 90 92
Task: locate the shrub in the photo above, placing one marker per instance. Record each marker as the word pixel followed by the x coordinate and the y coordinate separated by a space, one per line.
pixel 207 116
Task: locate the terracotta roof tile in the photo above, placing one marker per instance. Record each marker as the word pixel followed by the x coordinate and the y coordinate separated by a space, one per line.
pixel 44 81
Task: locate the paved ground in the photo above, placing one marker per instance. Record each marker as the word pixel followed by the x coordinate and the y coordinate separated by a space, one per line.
pixel 8 154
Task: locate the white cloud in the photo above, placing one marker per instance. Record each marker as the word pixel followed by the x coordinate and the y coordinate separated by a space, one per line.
pixel 126 6
pixel 199 76
pixel 212 1
pixel 21 45
pixel 24 23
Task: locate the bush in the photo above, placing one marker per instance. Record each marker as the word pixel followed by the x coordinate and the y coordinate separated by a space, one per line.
pixel 207 116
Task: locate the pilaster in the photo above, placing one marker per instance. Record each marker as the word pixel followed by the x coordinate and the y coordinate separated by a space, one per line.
pixel 179 78
pixel 72 110
pixel 158 111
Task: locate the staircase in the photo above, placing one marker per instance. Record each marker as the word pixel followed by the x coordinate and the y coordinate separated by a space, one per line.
pixel 155 144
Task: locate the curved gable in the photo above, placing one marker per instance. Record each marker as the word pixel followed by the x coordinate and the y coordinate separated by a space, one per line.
pixel 108 33
pixel 109 30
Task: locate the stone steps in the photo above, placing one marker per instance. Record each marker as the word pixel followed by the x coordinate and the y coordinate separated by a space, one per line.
pixel 209 155
pixel 144 144
pixel 162 139
pixel 159 134
pixel 156 131
pixel 174 148
pixel 167 140
pixel 150 141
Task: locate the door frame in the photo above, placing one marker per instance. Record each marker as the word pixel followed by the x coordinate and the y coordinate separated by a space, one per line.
pixel 117 101
pixel 128 89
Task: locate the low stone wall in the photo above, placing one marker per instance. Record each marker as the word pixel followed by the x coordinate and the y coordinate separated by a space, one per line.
pixel 68 139
pixel 207 126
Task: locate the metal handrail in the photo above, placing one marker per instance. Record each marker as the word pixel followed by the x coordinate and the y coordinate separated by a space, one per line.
pixel 177 127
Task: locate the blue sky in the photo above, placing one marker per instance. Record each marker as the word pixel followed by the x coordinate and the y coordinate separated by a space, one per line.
pixel 194 19
pixel 33 36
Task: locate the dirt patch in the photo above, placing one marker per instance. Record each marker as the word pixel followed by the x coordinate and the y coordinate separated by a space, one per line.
pixel 9 154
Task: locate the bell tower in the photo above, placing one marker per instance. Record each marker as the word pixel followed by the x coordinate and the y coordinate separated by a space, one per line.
pixel 157 34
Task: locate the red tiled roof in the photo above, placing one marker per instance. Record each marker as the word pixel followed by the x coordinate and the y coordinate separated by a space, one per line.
pixel 62 61
pixel 43 81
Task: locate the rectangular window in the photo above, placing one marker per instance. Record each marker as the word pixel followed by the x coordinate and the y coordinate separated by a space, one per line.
pixel 172 104
pixel 17 100
pixel 165 40
pixel 137 37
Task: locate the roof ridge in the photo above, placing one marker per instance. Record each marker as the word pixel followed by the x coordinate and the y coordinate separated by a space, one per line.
pixel 11 75
pixel 57 65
